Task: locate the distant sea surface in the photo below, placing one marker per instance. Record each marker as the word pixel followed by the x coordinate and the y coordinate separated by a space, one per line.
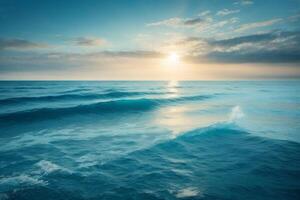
pixel 120 140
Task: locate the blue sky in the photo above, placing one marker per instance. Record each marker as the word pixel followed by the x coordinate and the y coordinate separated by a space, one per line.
pixel 214 39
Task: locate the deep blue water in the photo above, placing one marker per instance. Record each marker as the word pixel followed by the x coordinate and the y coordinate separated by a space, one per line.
pixel 150 140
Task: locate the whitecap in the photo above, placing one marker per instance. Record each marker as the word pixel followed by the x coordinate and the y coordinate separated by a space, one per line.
pixel 22 179
pixel 188 192
pixel 236 114
pixel 48 167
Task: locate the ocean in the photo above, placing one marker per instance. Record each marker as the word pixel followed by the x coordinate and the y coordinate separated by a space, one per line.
pixel 150 140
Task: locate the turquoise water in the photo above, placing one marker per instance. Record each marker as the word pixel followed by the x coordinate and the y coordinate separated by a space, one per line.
pixel 150 140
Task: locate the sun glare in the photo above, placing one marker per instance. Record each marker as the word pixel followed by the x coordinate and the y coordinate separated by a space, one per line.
pixel 172 65
pixel 173 58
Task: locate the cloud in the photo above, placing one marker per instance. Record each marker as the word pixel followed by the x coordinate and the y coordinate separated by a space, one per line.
pixel 89 41
pixel 227 12
pixel 172 22
pixel 244 2
pixel 194 21
pixel 204 54
pixel 100 55
pixel 277 56
pixel 245 27
pixel 177 22
pixel 97 65
pixel 214 27
pixel 205 24
pixel 204 13
pixel 63 57
pixel 129 54
pixel 20 44
pixel 274 47
pixel 294 18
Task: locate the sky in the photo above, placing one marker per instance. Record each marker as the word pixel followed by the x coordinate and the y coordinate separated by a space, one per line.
pixel 149 40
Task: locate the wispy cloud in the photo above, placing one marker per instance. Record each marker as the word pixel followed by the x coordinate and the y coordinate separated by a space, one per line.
pixel 82 57
pixel 130 54
pixel 193 21
pixel 200 24
pixel 248 26
pixel 294 18
pixel 177 22
pixel 20 44
pixel 172 22
pixel 212 25
pixel 244 2
pixel 89 41
pixel 102 64
pixel 204 13
pixel 227 12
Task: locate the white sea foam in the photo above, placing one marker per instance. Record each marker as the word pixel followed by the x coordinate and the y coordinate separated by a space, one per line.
pixel 87 165
pixel 188 192
pixel 48 167
pixel 236 114
pixel 22 179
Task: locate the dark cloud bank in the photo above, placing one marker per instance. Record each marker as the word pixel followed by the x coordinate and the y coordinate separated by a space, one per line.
pixel 274 47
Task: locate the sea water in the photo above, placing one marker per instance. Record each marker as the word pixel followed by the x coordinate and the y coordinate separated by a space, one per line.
pixel 149 140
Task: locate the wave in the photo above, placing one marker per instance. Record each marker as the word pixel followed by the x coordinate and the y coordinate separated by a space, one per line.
pixel 73 97
pixel 214 159
pixel 74 90
pixel 217 129
pixel 221 153
pixel 29 88
pixel 113 106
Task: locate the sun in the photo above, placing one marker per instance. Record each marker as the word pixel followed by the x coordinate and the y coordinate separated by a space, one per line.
pixel 172 64
pixel 173 58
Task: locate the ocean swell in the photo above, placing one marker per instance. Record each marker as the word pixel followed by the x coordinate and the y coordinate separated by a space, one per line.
pixel 113 106
pixel 69 97
pixel 214 159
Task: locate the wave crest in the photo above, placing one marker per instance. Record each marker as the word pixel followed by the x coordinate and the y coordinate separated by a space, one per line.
pixel 67 97
pixel 113 106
